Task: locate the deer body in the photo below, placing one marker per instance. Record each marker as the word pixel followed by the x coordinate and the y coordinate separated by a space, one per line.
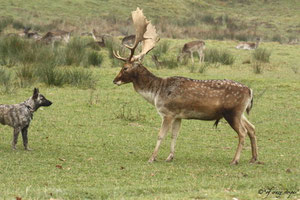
pixel 248 45
pixel 177 98
pixel 191 47
pixel 51 37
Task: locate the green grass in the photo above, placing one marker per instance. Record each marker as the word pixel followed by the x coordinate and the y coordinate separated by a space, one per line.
pixel 95 143
pixel 270 19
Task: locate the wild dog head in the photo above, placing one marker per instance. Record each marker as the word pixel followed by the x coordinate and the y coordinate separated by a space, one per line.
pixel 39 100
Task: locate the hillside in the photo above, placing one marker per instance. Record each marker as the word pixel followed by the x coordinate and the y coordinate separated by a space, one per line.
pixel 274 20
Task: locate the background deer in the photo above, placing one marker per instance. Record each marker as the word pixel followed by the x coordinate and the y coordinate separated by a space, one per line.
pixel 97 38
pixel 177 98
pixel 191 47
pixel 128 40
pixel 248 45
pixel 52 36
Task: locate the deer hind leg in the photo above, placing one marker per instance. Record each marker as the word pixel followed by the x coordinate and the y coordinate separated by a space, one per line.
pixel 236 123
pixel 165 126
pixel 200 53
pixel 251 133
pixel 175 130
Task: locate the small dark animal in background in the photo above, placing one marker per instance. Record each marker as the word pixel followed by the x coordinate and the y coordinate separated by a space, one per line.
pixel 19 115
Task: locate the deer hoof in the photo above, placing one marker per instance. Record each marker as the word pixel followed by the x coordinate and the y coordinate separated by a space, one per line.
pixel 170 158
pixel 151 160
pixel 234 162
pixel 253 160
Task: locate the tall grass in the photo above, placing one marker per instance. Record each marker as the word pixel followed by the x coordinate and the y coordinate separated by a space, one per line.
pixel 78 77
pixel 218 56
pixel 262 55
pixel 26 75
pixel 6 83
pixel 94 58
pixel 75 52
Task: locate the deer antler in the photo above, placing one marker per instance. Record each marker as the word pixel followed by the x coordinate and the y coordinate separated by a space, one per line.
pixel 117 55
pixel 145 32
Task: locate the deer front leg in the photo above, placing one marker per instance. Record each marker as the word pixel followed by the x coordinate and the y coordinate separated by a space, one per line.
pixel 15 137
pixel 175 130
pixel 192 57
pixel 165 126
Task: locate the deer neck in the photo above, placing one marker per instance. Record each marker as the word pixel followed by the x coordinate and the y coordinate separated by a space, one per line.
pixel 147 84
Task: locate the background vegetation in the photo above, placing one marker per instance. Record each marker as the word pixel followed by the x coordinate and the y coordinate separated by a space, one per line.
pixel 275 20
pixel 96 138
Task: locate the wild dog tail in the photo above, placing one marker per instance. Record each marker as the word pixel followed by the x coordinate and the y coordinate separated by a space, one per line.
pixel 250 104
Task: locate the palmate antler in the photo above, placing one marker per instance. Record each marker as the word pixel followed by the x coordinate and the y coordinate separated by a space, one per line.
pixel 145 32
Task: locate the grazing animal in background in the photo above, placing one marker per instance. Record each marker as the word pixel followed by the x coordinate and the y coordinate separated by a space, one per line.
pixel 128 40
pixel 52 36
pixel 20 115
pixel 177 98
pixel 33 35
pixel 191 47
pixel 248 45
pixel 97 38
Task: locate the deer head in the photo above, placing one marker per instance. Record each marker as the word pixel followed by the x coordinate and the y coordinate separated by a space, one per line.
pixel 145 34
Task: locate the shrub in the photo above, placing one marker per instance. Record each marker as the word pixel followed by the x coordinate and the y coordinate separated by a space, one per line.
pixel 78 77
pixel 203 67
pixel 5 21
pixel 93 58
pixel 277 38
pixel 208 19
pixel 262 55
pixel 257 68
pixel 49 74
pixel 221 56
pixel 26 75
pixel 161 48
pixel 75 52
pixel 6 80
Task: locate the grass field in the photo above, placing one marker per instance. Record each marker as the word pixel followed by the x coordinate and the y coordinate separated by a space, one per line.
pixel 95 143
pixel 274 20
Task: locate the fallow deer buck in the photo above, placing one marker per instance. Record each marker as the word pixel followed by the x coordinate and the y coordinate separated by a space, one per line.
pixel 191 47
pixel 177 98
pixel 248 45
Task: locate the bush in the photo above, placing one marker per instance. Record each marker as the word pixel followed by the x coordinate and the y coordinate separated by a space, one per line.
pixel 4 22
pixel 26 75
pixel 75 52
pixel 262 55
pixel 208 19
pixel 161 48
pixel 257 68
pixel 277 38
pixel 221 56
pixel 6 80
pixel 95 59
pixel 78 77
pixel 49 74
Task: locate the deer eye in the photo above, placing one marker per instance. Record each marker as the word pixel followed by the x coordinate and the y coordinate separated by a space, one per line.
pixel 125 68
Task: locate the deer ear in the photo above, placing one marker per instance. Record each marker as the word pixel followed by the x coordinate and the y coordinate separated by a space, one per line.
pixel 35 93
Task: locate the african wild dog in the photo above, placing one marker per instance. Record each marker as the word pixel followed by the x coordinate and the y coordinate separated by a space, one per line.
pixel 19 116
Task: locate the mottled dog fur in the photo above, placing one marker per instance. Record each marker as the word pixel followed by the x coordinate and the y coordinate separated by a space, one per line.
pixel 19 115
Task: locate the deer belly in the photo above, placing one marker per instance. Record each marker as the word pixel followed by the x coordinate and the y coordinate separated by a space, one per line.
pixel 198 115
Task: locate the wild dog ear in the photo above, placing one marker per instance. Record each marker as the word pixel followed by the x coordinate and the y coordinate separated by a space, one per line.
pixel 35 93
